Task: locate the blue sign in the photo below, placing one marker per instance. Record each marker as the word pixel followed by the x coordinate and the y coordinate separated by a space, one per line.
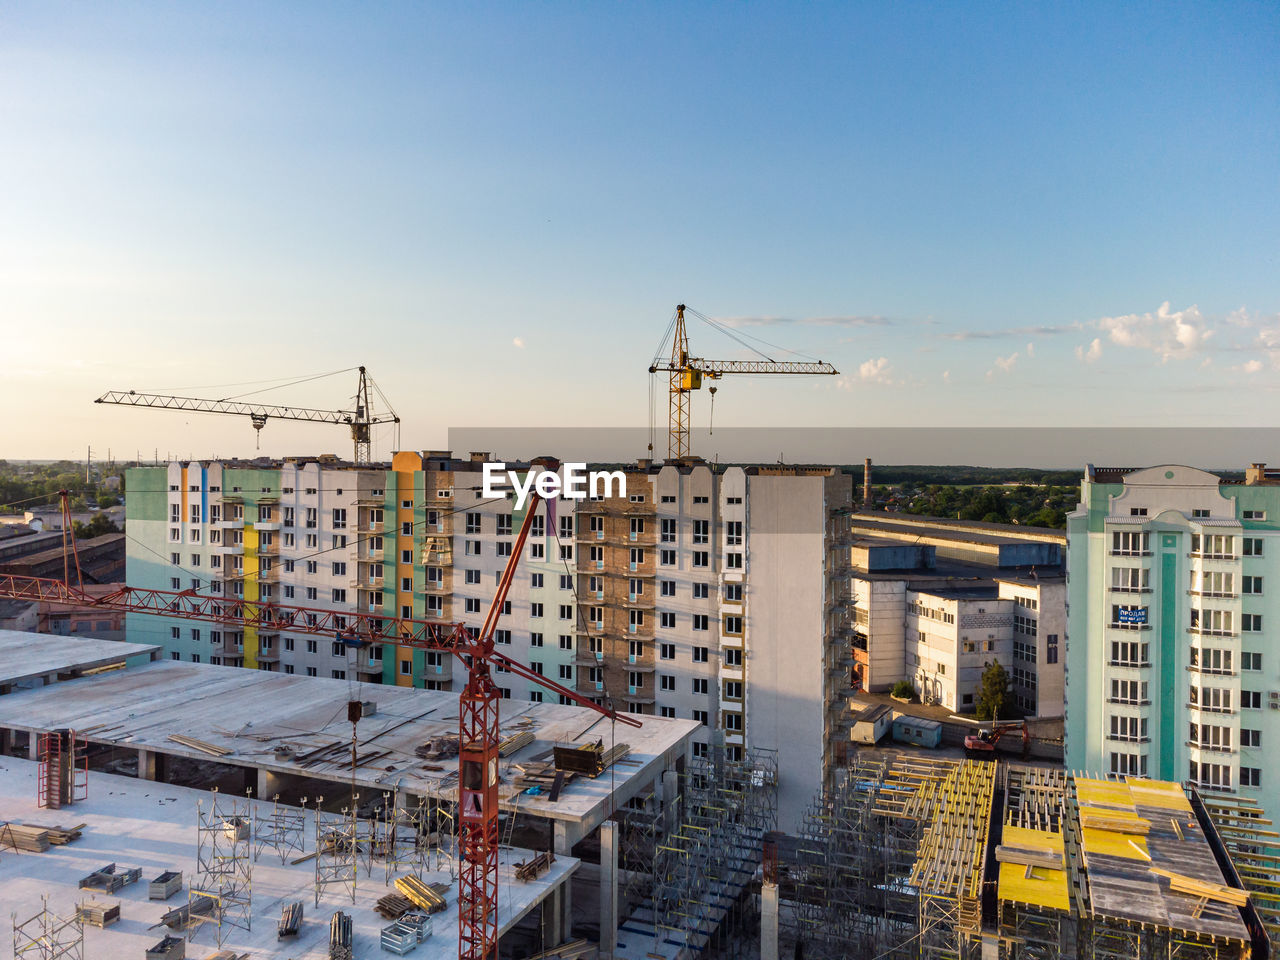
pixel 1133 615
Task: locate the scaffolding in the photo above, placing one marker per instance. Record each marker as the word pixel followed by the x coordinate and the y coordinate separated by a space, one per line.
pixel 47 936
pixel 1034 901
pixel 62 777
pixel 336 855
pixel 846 889
pixel 702 869
pixel 224 866
pixel 1253 844
pixel 404 840
pixel 283 830
pixel 639 826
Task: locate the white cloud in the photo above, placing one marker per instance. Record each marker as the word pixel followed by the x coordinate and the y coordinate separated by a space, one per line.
pixel 946 376
pixel 875 370
pixel 1006 363
pixel 1031 349
pixel 518 343
pixel 1167 333
pixel 1092 353
pixel 1252 366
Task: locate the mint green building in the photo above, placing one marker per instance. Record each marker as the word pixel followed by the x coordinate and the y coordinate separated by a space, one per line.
pixel 1174 593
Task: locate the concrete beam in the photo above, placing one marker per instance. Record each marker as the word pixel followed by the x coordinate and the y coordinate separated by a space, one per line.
pixel 608 889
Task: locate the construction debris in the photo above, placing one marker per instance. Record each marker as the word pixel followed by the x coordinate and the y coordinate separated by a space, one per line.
pixel 438 748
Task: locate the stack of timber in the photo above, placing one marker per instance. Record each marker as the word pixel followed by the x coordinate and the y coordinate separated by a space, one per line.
pixel 438 748
pixel 290 920
pixel 540 777
pixel 340 939
pixel 109 880
pixel 165 886
pixel 1202 890
pixel 1030 856
pixel 170 948
pixel 1098 818
pixel 58 836
pixel 531 869
pixel 393 906
pixel 428 897
pixel 514 742
pixel 24 839
pixel 591 759
pixel 99 914
pixel 202 745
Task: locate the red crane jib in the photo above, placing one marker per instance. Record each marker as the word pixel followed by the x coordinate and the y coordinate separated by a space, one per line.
pixel 478 729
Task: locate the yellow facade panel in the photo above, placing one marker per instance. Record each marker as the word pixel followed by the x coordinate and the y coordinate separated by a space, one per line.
pixel 1045 887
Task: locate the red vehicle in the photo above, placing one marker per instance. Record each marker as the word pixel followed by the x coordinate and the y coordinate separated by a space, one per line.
pixel 984 742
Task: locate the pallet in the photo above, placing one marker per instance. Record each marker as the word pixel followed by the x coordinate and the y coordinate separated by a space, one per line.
pixel 98 914
pixel 393 906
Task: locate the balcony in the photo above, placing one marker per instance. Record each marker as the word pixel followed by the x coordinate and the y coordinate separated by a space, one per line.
pixel 1129 553
pixel 1132 664
pixel 1209 747
pixel 1211 671
pixel 1213 593
pixel 1128 626
pixel 1212 556
pixel 1127 702
pixel 266 525
pixel 269 656
pixel 1209 632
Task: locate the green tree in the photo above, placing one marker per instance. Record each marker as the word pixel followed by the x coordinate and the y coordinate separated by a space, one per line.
pixel 993 694
pixel 100 525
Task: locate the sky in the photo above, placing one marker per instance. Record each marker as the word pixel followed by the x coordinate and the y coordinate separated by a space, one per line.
pixel 982 214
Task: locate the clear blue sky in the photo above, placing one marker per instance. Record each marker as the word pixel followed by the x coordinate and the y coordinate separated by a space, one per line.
pixel 976 211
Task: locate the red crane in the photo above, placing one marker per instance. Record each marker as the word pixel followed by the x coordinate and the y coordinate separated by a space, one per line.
pixel 478 732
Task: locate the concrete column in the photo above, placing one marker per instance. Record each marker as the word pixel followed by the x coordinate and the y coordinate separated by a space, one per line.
pixel 146 764
pixel 768 921
pixel 6 741
pixel 565 834
pixel 566 909
pixel 608 889
pixel 551 916
pixel 670 801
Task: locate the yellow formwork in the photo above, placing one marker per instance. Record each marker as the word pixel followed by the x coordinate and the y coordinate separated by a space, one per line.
pixel 1158 793
pixel 1045 887
pixel 1093 792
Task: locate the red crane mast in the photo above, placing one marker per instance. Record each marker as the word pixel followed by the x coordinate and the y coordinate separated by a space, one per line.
pixel 478 730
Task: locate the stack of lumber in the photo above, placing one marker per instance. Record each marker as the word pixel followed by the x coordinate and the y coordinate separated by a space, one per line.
pixel 514 742
pixel 1030 856
pixel 531 869
pixel 202 745
pixel 290 920
pixel 428 897
pixel 23 838
pixel 591 759
pixel 1202 889
pixel 393 906
pixel 1098 818
pixel 58 836
pixel 99 914
pixel 540 774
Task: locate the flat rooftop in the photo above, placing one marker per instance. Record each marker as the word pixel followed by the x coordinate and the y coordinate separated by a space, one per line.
pixel 26 657
pixel 931 528
pixel 152 826
pixel 254 713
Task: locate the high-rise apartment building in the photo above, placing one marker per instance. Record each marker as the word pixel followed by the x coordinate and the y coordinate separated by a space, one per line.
pixel 1173 596
pixel 719 595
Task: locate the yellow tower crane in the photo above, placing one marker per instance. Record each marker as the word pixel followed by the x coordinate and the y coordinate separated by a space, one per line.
pixel 686 374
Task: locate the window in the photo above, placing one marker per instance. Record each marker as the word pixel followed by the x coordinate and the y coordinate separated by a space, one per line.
pixel 1128 728
pixel 733 533
pixel 406 668
pixel 637 556
pixel 637 527
pixel 175 583
pixel 566 641
pixel 338 650
pixel 566 611
pixel 1213 545
pixel 699 654
pixel 312 541
pixel 312 646
pixel 700 591
pixel 636 587
pixel 701 717
pixel 471 548
pixel 536 666
pixel 1250 661
pixel 733 689
pixel 312 672
pixel 1129 764
pixel 1137 511
pixel 1129 691
pixel 313 566
pixel 701 558
pixel 732 657
pixel 1252 584
pixel 698 500
pixel 566 672
pixel 1250 738
pixel 667 651
pixel 733 625
pixel 1250 777
pixel 733 593
pixel 668 712
pixel 312 518
pixel 535 639
pixel 1124 653
pixel 636 498
pixel 473 523
pixel 504 525
pixel 1125 543
pixel 339 596
pixel 535 610
pixel 1251 699
pixel 1208 736
pixel 667 530
pixel 1251 622
pixel 700 685
pixel 1211 775
pixel 1211 660
pixel 339 569
pixel 667 558
pixel 1123 616
pixel 1200 514
pixel 666 682
pixel 471 576
pixel 471 604
pixel 502 548
pixel 733 561
pixel 701 531
pixel 1213 583
pixel 700 621
pixel 636 619
pixel 667 620
pixel 1218 623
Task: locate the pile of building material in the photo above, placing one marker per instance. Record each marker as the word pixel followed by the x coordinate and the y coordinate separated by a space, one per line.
pixel 170 948
pixel 180 917
pixel 537 777
pixel 393 906
pixel 428 897
pixel 406 933
pixel 590 759
pixel 438 748
pixel 533 868
pixel 340 937
pixel 99 914
pixel 35 838
pixel 108 879
pixel 514 742
pixel 290 920
pixel 165 886
pixel 569 950
pixel 202 745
